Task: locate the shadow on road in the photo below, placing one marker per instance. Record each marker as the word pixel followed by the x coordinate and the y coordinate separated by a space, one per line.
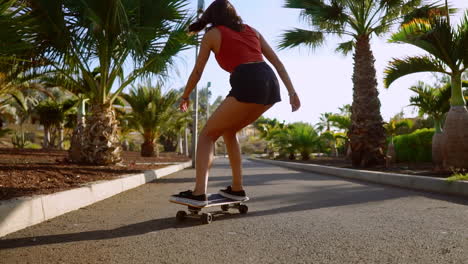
pixel 124 231
pixel 295 197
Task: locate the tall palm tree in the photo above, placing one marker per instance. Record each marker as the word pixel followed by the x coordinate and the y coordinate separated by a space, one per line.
pixel 152 110
pixel 359 20
pixel 324 122
pixel 93 40
pixel 447 50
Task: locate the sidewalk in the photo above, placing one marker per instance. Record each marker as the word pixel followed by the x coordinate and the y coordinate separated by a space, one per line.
pixel 294 217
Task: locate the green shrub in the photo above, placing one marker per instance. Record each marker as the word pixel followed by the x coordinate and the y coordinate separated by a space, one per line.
pixel 304 139
pixel 414 147
pixel 33 146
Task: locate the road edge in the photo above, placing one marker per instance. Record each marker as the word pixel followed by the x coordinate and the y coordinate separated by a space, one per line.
pixel 22 212
pixel 420 183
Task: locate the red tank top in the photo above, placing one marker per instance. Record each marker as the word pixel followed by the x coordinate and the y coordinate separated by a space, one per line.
pixel 238 47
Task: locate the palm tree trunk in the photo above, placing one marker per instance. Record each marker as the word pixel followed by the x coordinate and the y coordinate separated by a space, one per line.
pixel 23 143
pixel 181 143
pixel 456 129
pixel 186 146
pixel 391 153
pixel 367 134
pixel 46 140
pixel 76 143
pixel 101 143
pixel 147 149
pixel 61 136
pixel 437 151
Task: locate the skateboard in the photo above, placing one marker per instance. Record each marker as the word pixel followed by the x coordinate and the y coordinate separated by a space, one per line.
pixel 213 200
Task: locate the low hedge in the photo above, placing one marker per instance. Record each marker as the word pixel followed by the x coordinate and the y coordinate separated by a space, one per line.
pixel 414 147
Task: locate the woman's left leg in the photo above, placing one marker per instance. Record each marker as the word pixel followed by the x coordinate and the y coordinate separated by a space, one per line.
pixel 230 116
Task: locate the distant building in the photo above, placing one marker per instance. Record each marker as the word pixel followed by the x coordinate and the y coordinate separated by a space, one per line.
pixel 248 131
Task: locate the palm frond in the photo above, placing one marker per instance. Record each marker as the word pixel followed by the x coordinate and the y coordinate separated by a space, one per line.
pixel 151 109
pixel 461 41
pixel 429 100
pixel 303 4
pixel 340 121
pixel 434 36
pixel 298 37
pixel 401 67
pixel 327 17
pixel 346 47
pixel 413 11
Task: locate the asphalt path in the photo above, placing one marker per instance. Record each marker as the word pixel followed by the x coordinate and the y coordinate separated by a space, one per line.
pixel 294 217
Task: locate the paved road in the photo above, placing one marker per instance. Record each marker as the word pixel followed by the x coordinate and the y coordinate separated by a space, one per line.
pixel 294 217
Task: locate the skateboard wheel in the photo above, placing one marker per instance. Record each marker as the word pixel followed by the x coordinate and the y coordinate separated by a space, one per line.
pixel 243 209
pixel 225 207
pixel 207 218
pixel 180 216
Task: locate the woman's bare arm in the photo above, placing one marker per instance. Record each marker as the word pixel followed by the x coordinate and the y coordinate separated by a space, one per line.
pixel 271 56
pixel 203 56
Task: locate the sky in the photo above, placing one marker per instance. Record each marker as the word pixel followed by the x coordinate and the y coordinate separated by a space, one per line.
pixel 322 78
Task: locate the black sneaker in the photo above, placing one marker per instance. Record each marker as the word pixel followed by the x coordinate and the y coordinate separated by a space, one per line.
pixel 188 198
pixel 229 193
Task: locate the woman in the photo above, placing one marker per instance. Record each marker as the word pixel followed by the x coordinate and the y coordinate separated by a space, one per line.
pixel 239 49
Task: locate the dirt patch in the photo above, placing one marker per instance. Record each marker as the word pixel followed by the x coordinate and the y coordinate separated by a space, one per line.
pixel 409 168
pixel 29 172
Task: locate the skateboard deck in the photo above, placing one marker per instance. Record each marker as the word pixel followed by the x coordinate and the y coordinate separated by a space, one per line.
pixel 213 200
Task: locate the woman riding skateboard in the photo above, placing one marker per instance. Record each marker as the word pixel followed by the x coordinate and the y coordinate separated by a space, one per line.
pixel 239 49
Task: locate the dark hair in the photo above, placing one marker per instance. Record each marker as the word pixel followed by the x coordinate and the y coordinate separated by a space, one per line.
pixel 219 13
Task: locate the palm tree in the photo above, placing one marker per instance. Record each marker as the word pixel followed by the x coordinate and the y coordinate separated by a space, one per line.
pixel 93 40
pixel 52 115
pixel 434 102
pixel 303 139
pixel 179 125
pixel 324 122
pixel 24 105
pixel 343 123
pixel 359 20
pixel 280 139
pixel 151 112
pixel 447 50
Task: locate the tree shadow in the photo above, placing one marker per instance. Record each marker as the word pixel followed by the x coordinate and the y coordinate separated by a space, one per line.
pixel 317 197
pixel 303 198
pixel 123 231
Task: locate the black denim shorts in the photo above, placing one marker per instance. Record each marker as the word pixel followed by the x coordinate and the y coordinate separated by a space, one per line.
pixel 255 83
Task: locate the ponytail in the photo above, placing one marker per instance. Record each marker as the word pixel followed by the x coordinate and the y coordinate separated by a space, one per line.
pixel 220 12
pixel 199 25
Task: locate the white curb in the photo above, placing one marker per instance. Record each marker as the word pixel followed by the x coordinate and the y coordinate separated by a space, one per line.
pixel 22 212
pixel 423 183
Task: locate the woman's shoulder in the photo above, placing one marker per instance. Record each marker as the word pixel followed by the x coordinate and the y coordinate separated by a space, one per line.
pixel 212 34
pixel 248 27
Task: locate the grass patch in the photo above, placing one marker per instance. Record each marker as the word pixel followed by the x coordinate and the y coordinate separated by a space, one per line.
pixel 458 177
pixel 33 146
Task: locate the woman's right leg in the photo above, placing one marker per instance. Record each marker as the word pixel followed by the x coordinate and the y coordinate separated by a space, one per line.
pixel 229 117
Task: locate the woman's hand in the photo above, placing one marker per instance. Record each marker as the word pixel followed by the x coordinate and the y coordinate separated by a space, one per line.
pixel 184 104
pixel 294 101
